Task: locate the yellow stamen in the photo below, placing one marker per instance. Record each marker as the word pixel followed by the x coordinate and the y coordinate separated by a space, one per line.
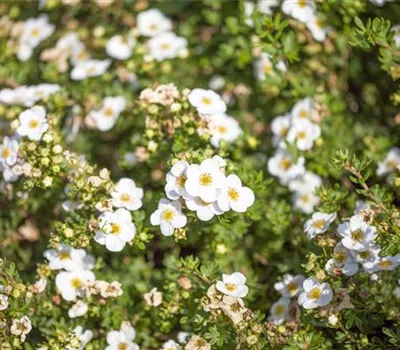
pixel 233 194
pixel 315 293
pixel 205 179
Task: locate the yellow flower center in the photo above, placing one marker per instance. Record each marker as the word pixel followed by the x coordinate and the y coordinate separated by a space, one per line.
pixel 391 164
pixel 384 264
pixel 181 180
pixel 153 27
pixel 168 215
pixel 305 198
pixel 91 70
pixel 315 293
pixel 125 197
pixel 33 124
pixel 233 194
pixel 5 153
pixel 357 235
pixel 340 257
pixel 206 100
pixel 303 113
pixel 302 3
pixel 122 346
pixel 267 69
pixel 165 46
pixel 108 112
pixel 35 32
pixel 285 163
pixel 301 135
pixel 279 309
pixel 230 287
pixel 222 129
pixel 205 179
pixel 284 132
pixel 365 255
pixel 292 287
pixel 318 224
pixel 115 228
pixel 76 283
pixel 64 255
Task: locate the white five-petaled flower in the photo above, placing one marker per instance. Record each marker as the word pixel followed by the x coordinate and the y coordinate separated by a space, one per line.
pixel 233 285
pixel 168 216
pixel 8 152
pixel 306 183
pixel 303 109
pixel 279 310
pixel 390 163
pixel 315 294
pixel 122 339
pixel 341 262
pixel 387 263
pixel 116 229
pixel 127 195
pixel 85 336
pixel 90 68
pixel 318 224
pixel 280 126
pixel 166 46
pixel 79 309
pixel 153 22
pixel 176 179
pixel 303 10
pixel 317 28
pixel 234 196
pixel 207 101
pixel 357 234
pixel 33 123
pixel 107 116
pixel 171 345
pixel 264 67
pixel 283 166
pixel 71 283
pixel 120 47
pixel 204 211
pixel 205 180
pixel 305 202
pixel 303 133
pixel 290 286
pixel 68 258
pixel 224 127
pixel 21 327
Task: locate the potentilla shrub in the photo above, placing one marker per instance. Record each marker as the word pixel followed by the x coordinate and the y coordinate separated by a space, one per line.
pixel 199 175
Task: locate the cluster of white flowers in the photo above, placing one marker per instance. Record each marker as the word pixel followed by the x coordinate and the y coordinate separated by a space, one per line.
pixel 33 32
pixel 27 96
pixel 106 117
pixel 296 128
pixel 212 108
pixel 204 189
pixel 116 227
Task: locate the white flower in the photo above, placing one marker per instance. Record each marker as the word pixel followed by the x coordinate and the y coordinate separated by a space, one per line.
pixel 176 179
pixel 168 216
pixel 217 82
pixel 357 234
pixel 183 337
pixel 71 283
pixel 317 28
pixel 127 195
pixel 303 10
pixel 280 126
pixel 282 165
pixel 368 258
pixel 122 339
pixel 21 327
pixel 34 32
pixel 305 183
pixel 78 309
pixel 116 229
pixel 68 258
pixel 206 101
pixel 333 320
pixel 388 263
pixel 233 285
pixel 33 123
pixel 342 261
pixel 171 345
pixel 27 95
pixel 85 336
pixel 264 66
pixel 290 286
pixel 205 180
pixel 3 302
pixel 265 6
pixel 305 202
pixel 153 22
pixel 42 91
pixel 204 211
pixel 390 163
pixel 120 47
pixel 166 46
pixel 318 224
pixel 8 152
pixel 234 196
pixel 107 116
pixel 90 68
pixel 278 311
pixel 315 294
pixel 361 206
pixel 303 109
pixel 224 128
pixel 303 133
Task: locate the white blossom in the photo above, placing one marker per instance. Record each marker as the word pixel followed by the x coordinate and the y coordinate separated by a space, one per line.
pixel 315 294
pixel 206 101
pixel 71 283
pixel 153 22
pixel 127 195
pixel 33 123
pixel 278 311
pixel 290 286
pixel 318 224
pixel 168 216
pixel 233 285
pixel 357 234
